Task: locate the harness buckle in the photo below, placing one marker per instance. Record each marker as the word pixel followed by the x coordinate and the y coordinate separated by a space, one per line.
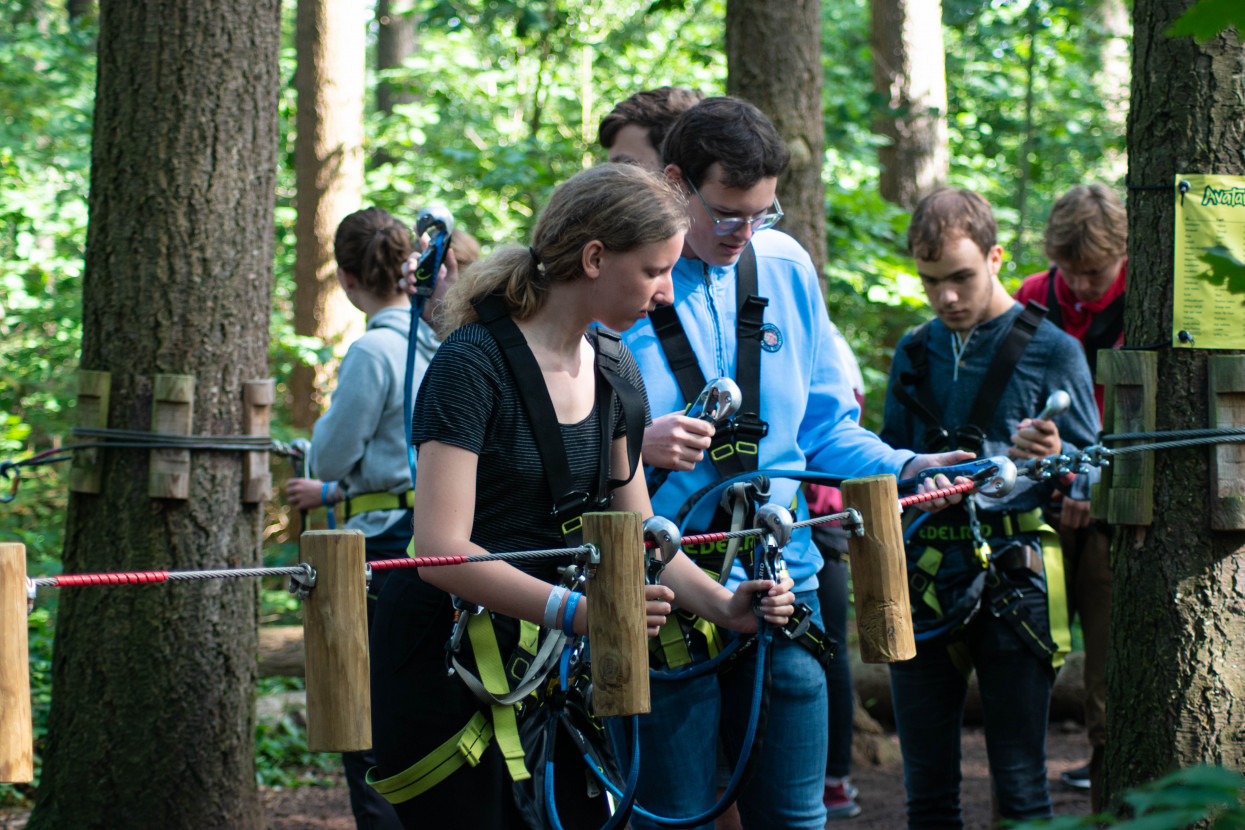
pixel 798 623
pixel 1001 602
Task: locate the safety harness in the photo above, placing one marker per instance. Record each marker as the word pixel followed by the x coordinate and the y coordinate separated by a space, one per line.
pixel 943 608
pixel 508 687
pixel 733 453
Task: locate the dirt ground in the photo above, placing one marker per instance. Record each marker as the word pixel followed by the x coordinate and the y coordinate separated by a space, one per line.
pixel 881 791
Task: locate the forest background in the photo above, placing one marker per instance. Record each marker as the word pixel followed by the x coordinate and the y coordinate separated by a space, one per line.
pixel 503 101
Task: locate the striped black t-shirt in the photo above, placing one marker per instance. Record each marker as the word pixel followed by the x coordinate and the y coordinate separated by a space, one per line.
pixel 469 400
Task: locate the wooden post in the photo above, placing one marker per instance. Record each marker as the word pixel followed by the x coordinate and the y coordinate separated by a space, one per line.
pixel 93 398
pixel 880 572
pixel 172 411
pixel 339 705
pixel 1226 374
pixel 257 399
pixel 616 621
pixel 1125 493
pixel 16 730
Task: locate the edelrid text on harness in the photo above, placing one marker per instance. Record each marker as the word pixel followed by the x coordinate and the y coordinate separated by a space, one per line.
pixel 946 599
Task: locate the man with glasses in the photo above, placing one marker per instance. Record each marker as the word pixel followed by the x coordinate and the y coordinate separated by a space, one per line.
pixel 747 306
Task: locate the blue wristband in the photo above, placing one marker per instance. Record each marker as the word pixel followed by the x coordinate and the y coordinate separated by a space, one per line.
pixel 324 493
pixel 568 616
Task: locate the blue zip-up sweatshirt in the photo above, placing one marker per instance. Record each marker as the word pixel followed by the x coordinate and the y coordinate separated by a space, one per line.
pixel 1052 360
pixel 806 398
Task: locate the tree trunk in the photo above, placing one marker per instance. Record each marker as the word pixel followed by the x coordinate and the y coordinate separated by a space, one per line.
pixel 152 723
pixel 1174 683
pixel 395 42
pixel 773 58
pixel 328 161
pixel 909 78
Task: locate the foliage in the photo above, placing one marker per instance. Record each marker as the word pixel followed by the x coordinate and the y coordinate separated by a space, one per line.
pixel 281 756
pixel 508 97
pixel 1176 801
pixel 1207 18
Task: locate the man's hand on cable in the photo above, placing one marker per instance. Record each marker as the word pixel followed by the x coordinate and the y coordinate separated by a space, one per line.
pixel 939 459
pixel 1035 438
pixel 657 599
pixel 676 442
pixel 1074 514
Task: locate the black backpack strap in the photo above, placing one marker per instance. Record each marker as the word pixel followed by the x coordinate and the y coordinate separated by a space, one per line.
pixel 1053 312
pixel 609 361
pixel 747 428
pixel 1104 332
pixel 568 504
pixel 920 401
pixel 999 372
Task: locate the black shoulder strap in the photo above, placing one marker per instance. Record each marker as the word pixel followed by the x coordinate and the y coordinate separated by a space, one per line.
pixel 1004 362
pixel 609 361
pixel 687 374
pixel 921 402
pixel 1053 312
pixel 568 504
pixel 1104 332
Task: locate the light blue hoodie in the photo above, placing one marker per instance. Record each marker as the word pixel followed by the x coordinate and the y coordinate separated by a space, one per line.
pixel 806 396
pixel 361 441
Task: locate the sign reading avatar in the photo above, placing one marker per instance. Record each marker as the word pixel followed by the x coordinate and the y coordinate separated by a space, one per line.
pixel 1209 307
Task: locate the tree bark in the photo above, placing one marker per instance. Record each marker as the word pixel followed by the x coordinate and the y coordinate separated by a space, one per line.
pixel 1174 683
pixel 152 723
pixel 395 42
pixel 909 77
pixel 328 161
pixel 773 58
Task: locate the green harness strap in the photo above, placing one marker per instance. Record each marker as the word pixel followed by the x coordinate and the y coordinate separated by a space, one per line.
pixel 493 675
pixel 464 747
pixel 367 502
pixel 1057 642
pixel 468 744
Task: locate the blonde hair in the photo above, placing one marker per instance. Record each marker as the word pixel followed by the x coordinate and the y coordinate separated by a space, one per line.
pixel 1088 228
pixel 620 205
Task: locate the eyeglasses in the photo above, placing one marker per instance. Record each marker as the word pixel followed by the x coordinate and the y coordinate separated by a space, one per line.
pixel 726 227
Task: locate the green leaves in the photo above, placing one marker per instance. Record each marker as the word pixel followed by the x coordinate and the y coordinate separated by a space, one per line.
pixel 1207 18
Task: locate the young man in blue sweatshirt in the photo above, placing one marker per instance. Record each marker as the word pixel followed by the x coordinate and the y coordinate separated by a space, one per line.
pixel 801 416
pixel 986 576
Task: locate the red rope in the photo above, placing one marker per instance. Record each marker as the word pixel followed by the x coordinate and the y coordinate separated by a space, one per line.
pixel 133 578
pixel 908 501
pixel 417 562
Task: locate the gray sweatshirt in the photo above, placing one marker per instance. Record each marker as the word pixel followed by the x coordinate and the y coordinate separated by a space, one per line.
pixel 361 441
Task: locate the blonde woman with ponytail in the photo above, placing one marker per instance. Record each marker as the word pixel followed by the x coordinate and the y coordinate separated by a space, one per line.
pixel 601 254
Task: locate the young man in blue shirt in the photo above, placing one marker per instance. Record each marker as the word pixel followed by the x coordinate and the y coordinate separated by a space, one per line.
pixel 800 414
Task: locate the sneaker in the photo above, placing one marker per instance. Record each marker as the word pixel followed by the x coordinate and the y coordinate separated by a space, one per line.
pixel 840 799
pixel 1077 778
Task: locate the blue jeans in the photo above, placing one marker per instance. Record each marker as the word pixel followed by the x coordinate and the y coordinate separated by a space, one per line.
pixel 929 692
pixel 832 591
pixel 678 741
